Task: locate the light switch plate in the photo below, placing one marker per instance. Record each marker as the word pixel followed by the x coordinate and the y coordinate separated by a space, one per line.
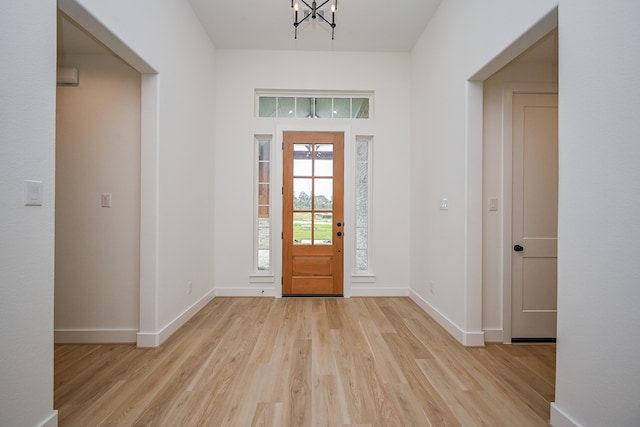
pixel 32 193
pixel 493 203
pixel 444 204
pixel 106 200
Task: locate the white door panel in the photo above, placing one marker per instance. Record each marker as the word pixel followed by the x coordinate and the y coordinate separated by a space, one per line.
pixel 535 216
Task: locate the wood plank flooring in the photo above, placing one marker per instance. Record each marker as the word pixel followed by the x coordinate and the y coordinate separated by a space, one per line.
pixel 306 362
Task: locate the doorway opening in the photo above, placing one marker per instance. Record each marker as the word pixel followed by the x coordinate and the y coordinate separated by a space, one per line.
pixel 147 335
pixel 533 72
pixel 97 245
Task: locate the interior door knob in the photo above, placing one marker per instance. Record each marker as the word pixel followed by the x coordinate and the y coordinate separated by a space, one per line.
pixel 518 248
pixel 339 233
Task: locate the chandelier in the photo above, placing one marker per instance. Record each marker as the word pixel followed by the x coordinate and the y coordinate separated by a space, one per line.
pixel 314 12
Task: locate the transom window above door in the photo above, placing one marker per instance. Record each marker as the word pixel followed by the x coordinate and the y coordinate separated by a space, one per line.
pixel 314 106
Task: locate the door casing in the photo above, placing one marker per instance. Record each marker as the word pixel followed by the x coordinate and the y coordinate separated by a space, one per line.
pixel 276 203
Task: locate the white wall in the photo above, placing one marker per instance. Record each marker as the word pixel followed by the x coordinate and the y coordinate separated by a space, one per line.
pixel 97 272
pixel 460 40
pixel 521 74
pixel 239 74
pixel 178 128
pixel 598 375
pixel 27 151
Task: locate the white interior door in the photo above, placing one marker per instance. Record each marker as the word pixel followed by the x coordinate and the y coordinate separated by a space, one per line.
pixel 535 216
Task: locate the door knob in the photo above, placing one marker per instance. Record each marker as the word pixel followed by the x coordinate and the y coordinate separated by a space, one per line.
pixel 518 248
pixel 339 233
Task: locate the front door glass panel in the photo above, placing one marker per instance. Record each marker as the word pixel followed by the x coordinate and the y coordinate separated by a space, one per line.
pixel 302 161
pixel 323 160
pixel 323 228
pixel 312 194
pixel 302 193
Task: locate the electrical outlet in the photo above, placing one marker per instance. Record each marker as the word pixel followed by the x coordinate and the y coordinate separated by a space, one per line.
pixel 189 287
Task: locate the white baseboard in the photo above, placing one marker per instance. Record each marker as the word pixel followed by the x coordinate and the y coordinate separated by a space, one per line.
pixel 94 336
pixel 154 339
pixel 378 291
pixel 147 339
pixel 51 420
pixel 493 335
pixel 247 291
pixel 473 339
pixel 560 419
pixel 267 291
pixel 469 339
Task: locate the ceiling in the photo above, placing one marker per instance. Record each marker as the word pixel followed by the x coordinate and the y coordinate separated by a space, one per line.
pixel 245 25
pixel 361 25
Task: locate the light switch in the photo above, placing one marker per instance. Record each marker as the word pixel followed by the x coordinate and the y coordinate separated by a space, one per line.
pixel 493 203
pixel 444 204
pixel 106 200
pixel 32 193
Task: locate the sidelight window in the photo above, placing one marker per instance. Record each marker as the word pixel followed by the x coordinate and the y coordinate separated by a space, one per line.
pixel 263 205
pixel 363 205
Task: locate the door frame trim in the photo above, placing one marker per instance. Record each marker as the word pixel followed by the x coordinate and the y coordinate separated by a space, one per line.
pixel 508 90
pixel 276 200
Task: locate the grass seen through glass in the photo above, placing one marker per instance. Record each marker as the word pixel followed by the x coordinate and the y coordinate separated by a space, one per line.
pixel 323 228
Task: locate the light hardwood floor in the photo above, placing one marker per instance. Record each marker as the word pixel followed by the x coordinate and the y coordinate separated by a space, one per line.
pixel 306 362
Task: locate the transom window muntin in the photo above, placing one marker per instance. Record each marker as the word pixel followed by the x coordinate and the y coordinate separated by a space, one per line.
pixel 314 106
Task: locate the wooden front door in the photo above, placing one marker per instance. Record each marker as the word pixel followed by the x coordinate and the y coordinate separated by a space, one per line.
pixel 313 213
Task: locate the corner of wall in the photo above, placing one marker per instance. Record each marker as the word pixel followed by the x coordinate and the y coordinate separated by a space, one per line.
pixel 493 335
pixel 468 339
pixel 155 339
pixel 559 418
pixel 51 420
